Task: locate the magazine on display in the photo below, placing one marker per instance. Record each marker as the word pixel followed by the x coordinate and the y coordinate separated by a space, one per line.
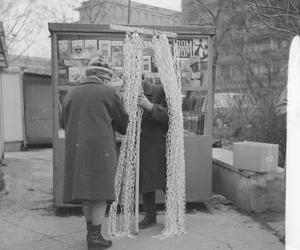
pixel 91 48
pixel 64 49
pixel 200 48
pixel 147 64
pixel 104 49
pixel 78 49
pixel 76 74
pixel 117 54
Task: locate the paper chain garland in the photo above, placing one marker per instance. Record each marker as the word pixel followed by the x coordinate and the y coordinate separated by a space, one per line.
pixel 168 68
pixel 126 170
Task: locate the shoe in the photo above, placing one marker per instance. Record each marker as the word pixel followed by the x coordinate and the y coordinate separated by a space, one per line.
pixel 147 222
pixel 95 240
pixel 88 228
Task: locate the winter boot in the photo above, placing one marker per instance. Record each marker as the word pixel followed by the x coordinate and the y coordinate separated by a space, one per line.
pixel 88 228
pixel 95 240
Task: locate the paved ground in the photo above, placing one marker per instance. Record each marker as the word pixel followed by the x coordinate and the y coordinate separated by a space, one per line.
pixel 28 220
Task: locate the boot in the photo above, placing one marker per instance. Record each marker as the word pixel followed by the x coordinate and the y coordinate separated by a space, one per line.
pixel 88 228
pixel 147 222
pixel 95 239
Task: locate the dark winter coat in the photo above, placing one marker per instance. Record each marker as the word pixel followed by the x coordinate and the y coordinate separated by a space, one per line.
pixel 91 114
pixel 154 128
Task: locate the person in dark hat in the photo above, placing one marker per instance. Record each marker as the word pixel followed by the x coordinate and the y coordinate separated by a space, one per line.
pixel 154 127
pixel 91 113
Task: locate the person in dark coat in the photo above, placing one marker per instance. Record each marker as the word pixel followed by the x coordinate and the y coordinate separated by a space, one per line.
pixel 154 128
pixel 91 113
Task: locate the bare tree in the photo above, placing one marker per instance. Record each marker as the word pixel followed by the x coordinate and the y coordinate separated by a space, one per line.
pixel 96 11
pixel 278 15
pixel 22 22
pixel 226 15
pixel 61 11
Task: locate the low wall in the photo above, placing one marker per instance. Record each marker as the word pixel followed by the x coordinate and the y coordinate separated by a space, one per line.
pixel 2 184
pixel 250 191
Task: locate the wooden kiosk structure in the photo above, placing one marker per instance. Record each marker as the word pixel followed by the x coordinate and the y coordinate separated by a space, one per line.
pixel 3 64
pixel 73 45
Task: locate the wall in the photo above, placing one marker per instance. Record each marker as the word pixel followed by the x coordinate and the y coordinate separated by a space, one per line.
pixel 1 120
pixel 38 108
pixel 12 107
pixel 117 13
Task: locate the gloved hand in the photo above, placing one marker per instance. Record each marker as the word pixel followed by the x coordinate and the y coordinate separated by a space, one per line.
pixel 145 103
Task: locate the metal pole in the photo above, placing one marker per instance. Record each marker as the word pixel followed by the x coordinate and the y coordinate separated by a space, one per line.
pixel 129 10
pixel 137 181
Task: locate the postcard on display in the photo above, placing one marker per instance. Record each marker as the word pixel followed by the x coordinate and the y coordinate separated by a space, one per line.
pixel 62 75
pixel 78 49
pixel 200 48
pixel 104 49
pixel 117 54
pixel 64 49
pixel 185 47
pixel 76 74
pixel 196 77
pixel 147 64
pixel 76 62
pixel 90 48
pixel 186 72
pixel 147 51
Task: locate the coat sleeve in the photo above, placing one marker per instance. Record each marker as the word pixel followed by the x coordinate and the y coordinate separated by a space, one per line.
pixel 120 116
pixel 160 108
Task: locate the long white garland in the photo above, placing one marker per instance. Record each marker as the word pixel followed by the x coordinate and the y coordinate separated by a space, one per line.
pixel 125 175
pixel 168 69
pixel 126 169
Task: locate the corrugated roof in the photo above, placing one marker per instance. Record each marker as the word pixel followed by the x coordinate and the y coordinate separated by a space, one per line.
pixel 33 65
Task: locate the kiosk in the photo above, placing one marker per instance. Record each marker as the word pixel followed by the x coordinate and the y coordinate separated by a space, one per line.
pixel 73 45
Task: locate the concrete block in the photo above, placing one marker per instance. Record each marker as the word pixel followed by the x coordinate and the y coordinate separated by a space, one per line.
pixel 255 156
pixel 2 183
pixel 250 191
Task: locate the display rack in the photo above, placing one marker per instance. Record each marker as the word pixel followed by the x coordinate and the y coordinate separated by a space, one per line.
pixel 73 45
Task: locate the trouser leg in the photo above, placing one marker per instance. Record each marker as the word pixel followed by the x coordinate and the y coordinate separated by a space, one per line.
pixel 149 204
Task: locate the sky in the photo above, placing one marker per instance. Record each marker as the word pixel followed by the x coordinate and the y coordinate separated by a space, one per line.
pixel 42 46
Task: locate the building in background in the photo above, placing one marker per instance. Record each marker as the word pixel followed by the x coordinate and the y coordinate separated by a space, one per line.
pixel 116 12
pixel 27 103
pixel 249 55
pixel 37 100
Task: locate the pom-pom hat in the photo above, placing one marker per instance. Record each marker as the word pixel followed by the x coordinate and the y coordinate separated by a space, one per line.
pixel 100 68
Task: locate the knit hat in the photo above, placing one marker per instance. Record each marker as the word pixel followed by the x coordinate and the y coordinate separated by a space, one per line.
pixel 100 68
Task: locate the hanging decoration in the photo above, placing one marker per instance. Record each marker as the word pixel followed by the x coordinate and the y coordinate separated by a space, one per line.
pixel 127 170
pixel 127 164
pixel 168 68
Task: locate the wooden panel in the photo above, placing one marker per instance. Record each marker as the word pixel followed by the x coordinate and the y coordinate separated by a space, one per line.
pixel 12 107
pixel 88 28
pixel 1 120
pixel 38 108
pixel 198 162
pixel 58 171
pixel 198 165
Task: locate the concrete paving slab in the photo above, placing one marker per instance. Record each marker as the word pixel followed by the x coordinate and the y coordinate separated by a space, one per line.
pixel 14 235
pixel 47 244
pixel 29 221
pixel 50 225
